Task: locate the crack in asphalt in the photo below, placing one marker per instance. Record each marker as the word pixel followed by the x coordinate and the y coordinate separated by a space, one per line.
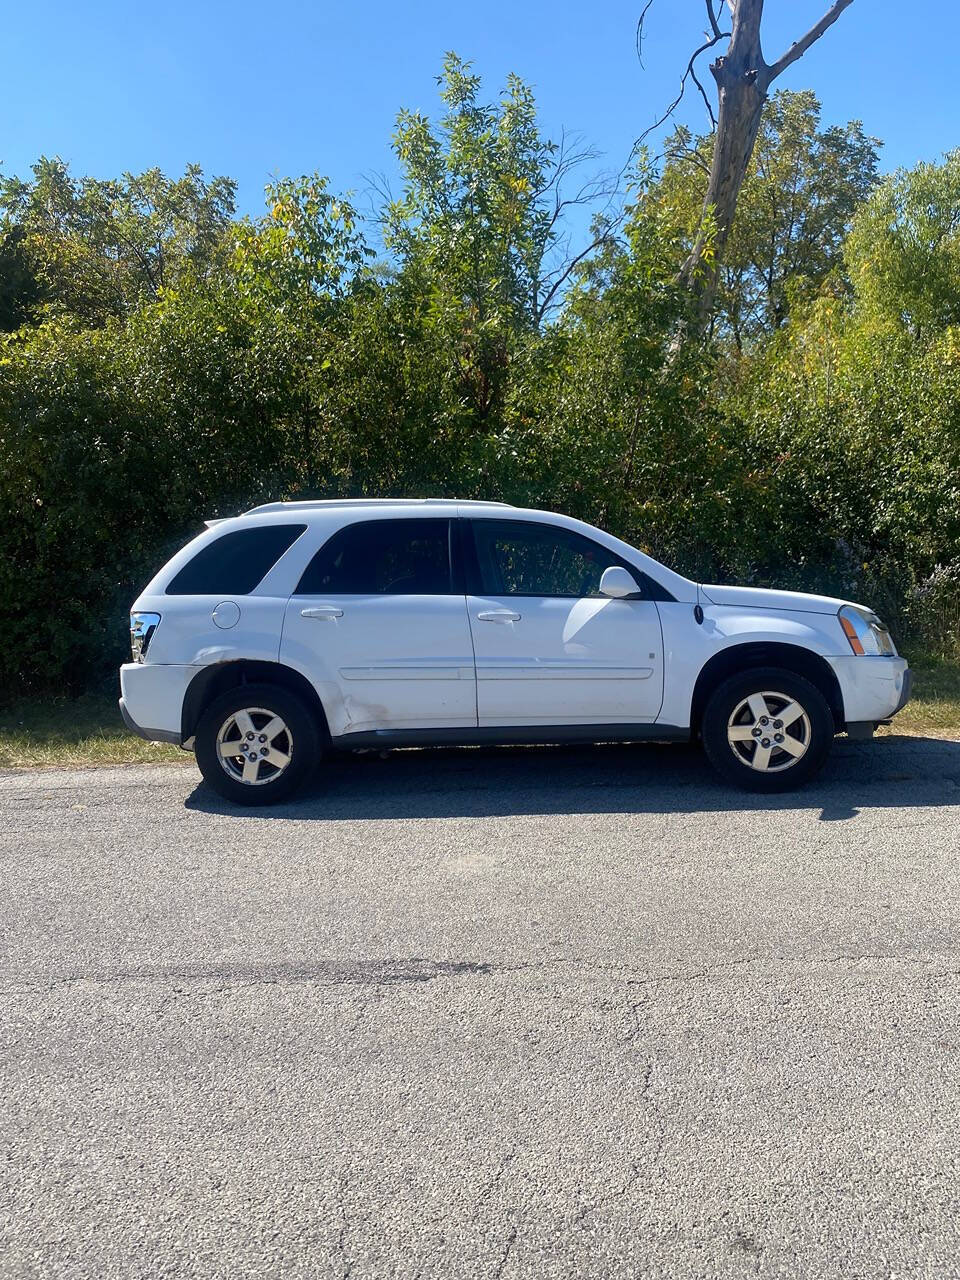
pixel 618 1193
pixel 508 1244
pixel 504 1164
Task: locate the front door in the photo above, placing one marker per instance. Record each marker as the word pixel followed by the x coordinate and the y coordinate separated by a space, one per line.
pixel 376 625
pixel 549 648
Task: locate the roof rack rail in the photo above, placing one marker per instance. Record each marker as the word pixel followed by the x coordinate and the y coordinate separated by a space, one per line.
pixel 310 504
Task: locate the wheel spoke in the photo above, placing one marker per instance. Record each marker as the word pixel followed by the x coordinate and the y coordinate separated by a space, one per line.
pixel 229 750
pixel 740 733
pixel 279 759
pixel 272 728
pixel 758 706
pixel 792 711
pixel 792 747
pixel 244 723
pixel 251 770
pixel 761 757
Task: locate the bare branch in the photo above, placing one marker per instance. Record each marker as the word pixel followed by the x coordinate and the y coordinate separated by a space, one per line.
pixel 691 157
pixel 643 13
pixel 689 74
pixel 605 238
pixel 800 47
pixel 706 101
pixel 712 18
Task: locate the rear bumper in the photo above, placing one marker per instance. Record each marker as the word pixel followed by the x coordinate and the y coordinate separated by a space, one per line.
pixel 873 688
pixel 151 735
pixel 152 699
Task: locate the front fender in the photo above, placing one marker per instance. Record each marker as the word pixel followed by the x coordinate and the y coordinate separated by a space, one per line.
pixel 689 646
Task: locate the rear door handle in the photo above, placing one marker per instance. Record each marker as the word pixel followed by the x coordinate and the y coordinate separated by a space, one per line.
pixel 498 615
pixel 321 612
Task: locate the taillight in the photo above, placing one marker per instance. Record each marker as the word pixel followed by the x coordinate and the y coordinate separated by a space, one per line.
pixel 142 627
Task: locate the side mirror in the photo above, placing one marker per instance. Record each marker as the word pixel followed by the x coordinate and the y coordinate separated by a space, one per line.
pixel 617 583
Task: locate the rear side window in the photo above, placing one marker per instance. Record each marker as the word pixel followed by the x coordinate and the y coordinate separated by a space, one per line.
pixel 236 563
pixel 382 557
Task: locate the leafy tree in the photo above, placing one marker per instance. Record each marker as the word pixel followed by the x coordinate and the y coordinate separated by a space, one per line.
pixel 607 416
pixel 309 246
pixel 19 288
pixel 857 417
pixel 480 225
pixel 802 189
pixel 743 79
pixel 101 248
pixel 904 250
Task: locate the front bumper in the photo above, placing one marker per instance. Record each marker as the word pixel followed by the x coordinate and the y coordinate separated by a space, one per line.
pixel 905 692
pixel 152 699
pixel 873 688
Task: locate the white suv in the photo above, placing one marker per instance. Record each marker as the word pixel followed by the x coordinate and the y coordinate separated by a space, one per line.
pixel 304 627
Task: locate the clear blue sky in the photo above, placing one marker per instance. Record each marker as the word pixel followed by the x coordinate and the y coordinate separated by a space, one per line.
pixel 252 90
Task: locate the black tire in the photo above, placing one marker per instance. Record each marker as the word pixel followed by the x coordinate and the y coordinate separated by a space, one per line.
pixel 298 742
pixel 784 770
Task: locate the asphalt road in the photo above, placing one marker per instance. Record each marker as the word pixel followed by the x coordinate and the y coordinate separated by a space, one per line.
pixel 523 1013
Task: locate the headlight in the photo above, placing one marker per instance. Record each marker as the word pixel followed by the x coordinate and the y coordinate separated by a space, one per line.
pixel 142 627
pixel 865 632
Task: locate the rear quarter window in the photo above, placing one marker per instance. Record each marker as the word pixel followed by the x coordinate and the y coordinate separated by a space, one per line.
pixel 236 562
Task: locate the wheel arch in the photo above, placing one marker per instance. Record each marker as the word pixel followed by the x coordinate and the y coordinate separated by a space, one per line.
pixel 217 678
pixel 743 657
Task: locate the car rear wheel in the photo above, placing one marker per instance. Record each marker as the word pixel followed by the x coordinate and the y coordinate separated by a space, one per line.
pixel 767 730
pixel 256 744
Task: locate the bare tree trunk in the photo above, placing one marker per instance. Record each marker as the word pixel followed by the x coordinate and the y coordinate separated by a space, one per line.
pixel 743 79
pixel 742 91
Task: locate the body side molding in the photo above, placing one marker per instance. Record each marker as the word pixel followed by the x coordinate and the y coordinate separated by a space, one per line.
pixel 510 735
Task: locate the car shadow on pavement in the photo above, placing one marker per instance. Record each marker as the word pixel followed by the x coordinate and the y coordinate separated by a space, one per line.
pixel 886 773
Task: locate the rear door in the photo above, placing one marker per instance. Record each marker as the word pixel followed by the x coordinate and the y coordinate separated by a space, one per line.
pixel 549 648
pixel 380 625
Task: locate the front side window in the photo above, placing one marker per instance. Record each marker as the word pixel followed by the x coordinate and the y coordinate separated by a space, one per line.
pixel 235 563
pixel 382 557
pixel 525 559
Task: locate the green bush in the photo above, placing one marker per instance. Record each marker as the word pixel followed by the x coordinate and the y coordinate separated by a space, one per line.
pixel 114 446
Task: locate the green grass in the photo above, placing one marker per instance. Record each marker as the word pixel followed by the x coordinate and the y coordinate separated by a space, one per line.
pixel 934 708
pixel 88 730
pixel 75 731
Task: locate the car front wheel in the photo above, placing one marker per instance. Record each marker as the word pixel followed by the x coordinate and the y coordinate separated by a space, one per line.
pixel 256 744
pixel 767 730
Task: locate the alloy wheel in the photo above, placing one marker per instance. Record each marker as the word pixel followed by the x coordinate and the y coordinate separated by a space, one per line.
pixel 254 746
pixel 769 732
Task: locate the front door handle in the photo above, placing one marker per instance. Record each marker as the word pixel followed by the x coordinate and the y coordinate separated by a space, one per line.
pixel 321 612
pixel 498 615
